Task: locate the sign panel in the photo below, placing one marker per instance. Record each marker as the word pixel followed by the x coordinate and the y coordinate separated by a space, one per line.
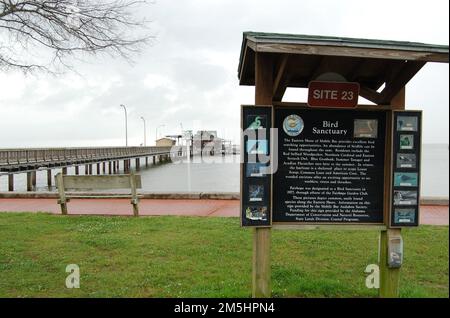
pixel 406 168
pixel 333 94
pixel 330 166
pixel 256 122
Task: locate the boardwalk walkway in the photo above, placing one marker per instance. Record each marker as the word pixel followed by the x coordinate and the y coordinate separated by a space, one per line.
pixel 433 215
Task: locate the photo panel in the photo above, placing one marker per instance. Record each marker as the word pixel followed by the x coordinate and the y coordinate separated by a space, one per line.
pixel 406 160
pixel 406 142
pixel 256 193
pixel 365 128
pixel 257 147
pixel 407 123
pixel 405 197
pixel 255 170
pixel 405 216
pixel 256 213
pixel 405 179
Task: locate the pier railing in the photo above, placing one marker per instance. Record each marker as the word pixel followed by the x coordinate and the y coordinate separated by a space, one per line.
pixel 9 157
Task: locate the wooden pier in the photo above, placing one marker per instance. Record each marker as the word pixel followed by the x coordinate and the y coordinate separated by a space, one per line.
pixel 106 160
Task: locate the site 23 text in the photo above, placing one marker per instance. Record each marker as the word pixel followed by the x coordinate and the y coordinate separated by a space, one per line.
pixel 332 94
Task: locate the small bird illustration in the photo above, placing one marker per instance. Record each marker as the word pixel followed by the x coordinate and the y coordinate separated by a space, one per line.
pixel 256 124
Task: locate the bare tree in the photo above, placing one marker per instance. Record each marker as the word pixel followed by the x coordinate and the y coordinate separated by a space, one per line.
pixel 42 34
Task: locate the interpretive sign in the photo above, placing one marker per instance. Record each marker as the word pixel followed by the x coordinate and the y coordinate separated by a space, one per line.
pixel 406 173
pixel 330 166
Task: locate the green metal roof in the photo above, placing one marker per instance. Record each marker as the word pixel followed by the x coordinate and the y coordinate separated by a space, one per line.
pixel 343 42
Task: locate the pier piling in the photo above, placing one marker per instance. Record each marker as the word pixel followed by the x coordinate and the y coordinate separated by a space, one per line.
pixel 33 179
pixel 49 177
pixel 11 182
pixel 29 181
pixel 138 164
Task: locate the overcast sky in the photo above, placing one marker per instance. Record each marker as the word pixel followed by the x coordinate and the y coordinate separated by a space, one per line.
pixel 188 75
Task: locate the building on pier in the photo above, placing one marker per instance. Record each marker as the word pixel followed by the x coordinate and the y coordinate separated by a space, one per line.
pixel 165 142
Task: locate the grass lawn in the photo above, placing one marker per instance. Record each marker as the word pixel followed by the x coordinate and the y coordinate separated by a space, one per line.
pixel 201 257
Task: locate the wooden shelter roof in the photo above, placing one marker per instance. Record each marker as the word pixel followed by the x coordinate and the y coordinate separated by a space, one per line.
pixel 299 59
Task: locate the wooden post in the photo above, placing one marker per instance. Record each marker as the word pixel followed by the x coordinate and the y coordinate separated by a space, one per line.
pixel 390 277
pixel 49 177
pixel 114 167
pixel 104 167
pixel 62 194
pixel 110 167
pixel 154 159
pixel 90 169
pixel 146 162
pixel 11 182
pixel 86 169
pixel 98 168
pixel 77 170
pixel 262 236
pixel 134 198
pixel 64 170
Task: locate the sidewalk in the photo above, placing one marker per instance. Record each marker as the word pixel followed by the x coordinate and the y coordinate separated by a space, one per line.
pixel 430 214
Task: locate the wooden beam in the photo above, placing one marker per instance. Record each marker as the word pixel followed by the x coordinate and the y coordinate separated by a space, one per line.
pixel 318 69
pixel 399 100
pixel 370 94
pixel 280 83
pixel 360 64
pixel 392 88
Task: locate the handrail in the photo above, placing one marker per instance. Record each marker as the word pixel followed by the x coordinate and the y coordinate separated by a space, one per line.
pixel 20 156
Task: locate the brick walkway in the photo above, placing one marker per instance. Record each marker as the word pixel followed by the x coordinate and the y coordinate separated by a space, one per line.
pixel 433 215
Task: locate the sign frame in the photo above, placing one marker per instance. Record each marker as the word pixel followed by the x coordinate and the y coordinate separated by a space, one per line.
pixel 418 166
pixel 243 165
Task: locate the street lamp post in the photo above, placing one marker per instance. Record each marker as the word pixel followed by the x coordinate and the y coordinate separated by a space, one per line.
pixel 126 125
pixel 145 132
